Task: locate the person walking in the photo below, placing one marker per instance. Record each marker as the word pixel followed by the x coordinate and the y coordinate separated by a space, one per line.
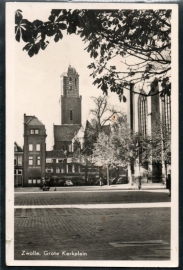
pixel 100 181
pixel 140 182
pixel 168 182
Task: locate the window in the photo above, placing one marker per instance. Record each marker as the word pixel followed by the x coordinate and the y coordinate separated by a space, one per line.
pixel 142 114
pixel 19 160
pixel 166 112
pixel 20 172
pixel 49 160
pixel 38 147
pixel 15 161
pixel 62 169
pixel 34 181
pixel 57 170
pixel 76 168
pixel 14 171
pixel 59 160
pixel 30 181
pixel 70 87
pixel 71 115
pixel 69 168
pixel 38 161
pixel 30 147
pixel 75 81
pixel 32 131
pixel 38 181
pixel 36 131
pixel 49 170
pixel 70 79
pixel 30 160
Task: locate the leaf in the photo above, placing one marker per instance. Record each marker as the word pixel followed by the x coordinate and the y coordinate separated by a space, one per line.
pixel 58 36
pixel 27 47
pixel 26 35
pixel 62 26
pixel 18 16
pixel 124 99
pixel 61 18
pixel 37 23
pixel 56 12
pixel 51 18
pixel 17 35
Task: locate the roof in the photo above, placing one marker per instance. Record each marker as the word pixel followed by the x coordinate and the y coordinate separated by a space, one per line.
pixel 18 148
pixel 65 132
pixel 35 122
pixel 27 118
pixel 69 69
pixel 32 120
pixel 55 154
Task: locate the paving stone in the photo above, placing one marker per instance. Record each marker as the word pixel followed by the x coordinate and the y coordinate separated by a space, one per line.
pixel 94 198
pixel 90 231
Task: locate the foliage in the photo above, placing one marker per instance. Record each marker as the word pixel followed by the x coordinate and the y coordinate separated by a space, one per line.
pixel 103 114
pixel 161 141
pixel 140 40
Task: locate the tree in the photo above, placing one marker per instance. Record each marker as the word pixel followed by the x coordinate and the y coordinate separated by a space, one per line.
pixel 101 156
pixel 139 39
pixel 103 115
pixel 119 148
pixel 160 142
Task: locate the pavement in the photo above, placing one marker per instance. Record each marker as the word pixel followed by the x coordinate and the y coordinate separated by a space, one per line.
pixel 92 234
pixel 92 223
pixel 145 186
pixel 89 197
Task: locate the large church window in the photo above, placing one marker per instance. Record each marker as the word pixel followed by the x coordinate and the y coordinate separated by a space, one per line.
pixel 166 112
pixel 142 114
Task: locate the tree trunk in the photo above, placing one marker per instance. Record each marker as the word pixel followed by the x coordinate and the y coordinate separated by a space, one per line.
pixel 86 172
pixel 107 175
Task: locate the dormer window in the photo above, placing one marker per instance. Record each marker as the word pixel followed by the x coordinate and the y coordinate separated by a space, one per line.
pixel 34 131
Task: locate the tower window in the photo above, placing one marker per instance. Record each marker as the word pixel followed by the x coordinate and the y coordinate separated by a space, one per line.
pixel 70 79
pixel 75 82
pixel 71 115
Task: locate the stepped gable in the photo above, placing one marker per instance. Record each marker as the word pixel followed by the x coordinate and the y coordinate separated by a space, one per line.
pixel 65 132
pixel 55 154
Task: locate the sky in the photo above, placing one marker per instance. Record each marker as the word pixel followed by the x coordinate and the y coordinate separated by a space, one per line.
pixel 37 80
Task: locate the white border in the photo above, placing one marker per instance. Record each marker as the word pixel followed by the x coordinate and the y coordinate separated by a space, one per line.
pixel 10 60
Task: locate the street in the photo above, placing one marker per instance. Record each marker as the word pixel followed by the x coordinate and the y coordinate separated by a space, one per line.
pixel 92 224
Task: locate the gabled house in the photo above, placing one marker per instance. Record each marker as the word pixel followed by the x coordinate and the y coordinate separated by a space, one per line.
pixel 34 151
pixel 18 165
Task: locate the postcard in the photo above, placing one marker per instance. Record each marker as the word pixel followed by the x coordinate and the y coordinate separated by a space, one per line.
pixel 92 134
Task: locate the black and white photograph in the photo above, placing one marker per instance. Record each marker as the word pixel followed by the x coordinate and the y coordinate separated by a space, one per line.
pixel 92 134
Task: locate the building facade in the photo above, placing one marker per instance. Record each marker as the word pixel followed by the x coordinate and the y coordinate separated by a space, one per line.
pixel 18 165
pixel 149 114
pixel 34 151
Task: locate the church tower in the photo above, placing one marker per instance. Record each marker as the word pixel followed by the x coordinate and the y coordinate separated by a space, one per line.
pixel 70 99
